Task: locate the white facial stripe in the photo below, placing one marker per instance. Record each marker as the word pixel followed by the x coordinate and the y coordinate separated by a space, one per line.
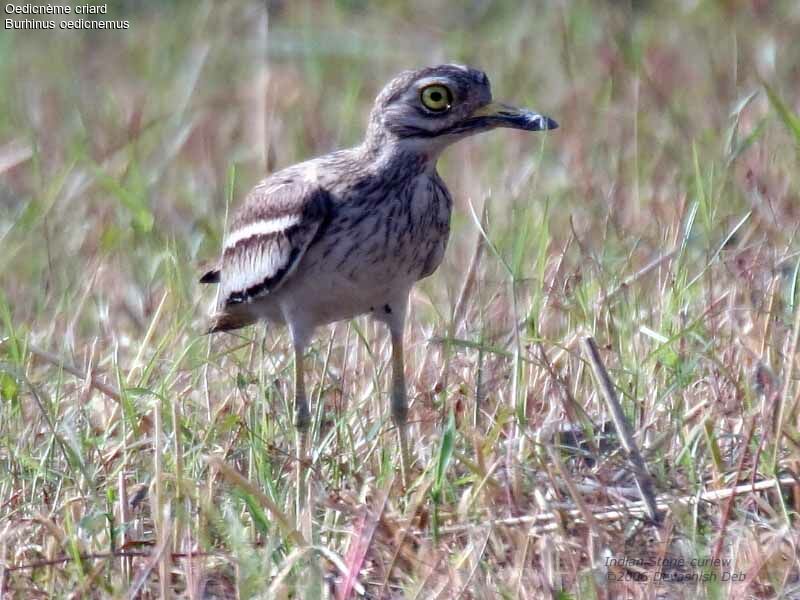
pixel 263 227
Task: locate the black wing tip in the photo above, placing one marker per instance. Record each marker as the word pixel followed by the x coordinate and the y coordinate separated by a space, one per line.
pixel 211 276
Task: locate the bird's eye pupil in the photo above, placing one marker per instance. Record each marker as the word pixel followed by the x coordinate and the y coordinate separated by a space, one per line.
pixel 436 96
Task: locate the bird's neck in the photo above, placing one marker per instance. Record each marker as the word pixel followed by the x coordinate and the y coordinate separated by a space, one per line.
pixel 385 151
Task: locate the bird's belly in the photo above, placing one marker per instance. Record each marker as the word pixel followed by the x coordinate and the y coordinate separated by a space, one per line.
pixel 347 283
pixel 330 296
pixel 353 281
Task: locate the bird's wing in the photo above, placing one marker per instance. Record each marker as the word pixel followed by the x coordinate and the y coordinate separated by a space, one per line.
pixel 269 236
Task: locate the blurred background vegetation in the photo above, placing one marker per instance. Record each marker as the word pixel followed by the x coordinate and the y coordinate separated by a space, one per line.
pixel 121 153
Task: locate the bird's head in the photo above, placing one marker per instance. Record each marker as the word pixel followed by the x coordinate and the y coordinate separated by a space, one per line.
pixel 429 109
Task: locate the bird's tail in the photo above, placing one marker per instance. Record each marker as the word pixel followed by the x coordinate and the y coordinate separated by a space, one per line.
pixel 228 320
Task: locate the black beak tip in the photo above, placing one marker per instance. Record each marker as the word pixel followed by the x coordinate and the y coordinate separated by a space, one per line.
pixel 546 123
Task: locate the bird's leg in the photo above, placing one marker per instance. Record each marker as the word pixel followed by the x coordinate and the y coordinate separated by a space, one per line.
pixel 302 416
pixel 302 420
pixel 399 396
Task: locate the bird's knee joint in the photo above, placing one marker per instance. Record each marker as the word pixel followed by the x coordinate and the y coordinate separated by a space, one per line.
pixel 302 418
pixel 399 413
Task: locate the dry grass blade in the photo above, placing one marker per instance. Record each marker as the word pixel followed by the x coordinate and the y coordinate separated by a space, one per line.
pixel 716 552
pixel 57 362
pixel 124 517
pixel 13 154
pixel 233 477
pixel 583 508
pixel 545 522
pixel 643 479
pixel 632 279
pixel 155 560
pixel 3 562
pixel 275 588
pixel 471 278
pixel 467 290
pixel 785 413
pixel 363 532
pixel 164 525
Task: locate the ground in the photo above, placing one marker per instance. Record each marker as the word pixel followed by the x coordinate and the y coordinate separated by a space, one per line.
pixel 141 458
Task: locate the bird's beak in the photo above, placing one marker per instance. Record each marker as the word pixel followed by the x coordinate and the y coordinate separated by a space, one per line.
pixel 496 114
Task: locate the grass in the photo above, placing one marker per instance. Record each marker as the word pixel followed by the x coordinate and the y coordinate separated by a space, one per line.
pixel 142 459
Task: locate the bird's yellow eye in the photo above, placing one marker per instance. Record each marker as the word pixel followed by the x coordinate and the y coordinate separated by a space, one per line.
pixel 436 98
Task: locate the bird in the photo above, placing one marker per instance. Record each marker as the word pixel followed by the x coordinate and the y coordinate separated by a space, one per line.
pixel 350 233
